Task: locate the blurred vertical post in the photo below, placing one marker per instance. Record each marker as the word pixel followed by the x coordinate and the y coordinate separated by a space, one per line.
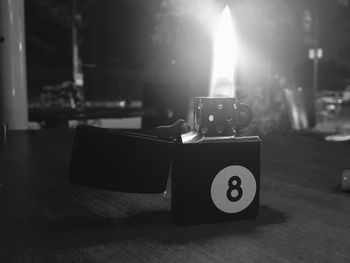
pixel 312 120
pixel 13 75
pixel 78 78
pixel 311 40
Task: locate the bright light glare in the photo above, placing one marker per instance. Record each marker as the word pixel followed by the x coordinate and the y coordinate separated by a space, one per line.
pixel 225 58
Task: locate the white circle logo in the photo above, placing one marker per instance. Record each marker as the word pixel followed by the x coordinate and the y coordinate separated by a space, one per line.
pixel 233 189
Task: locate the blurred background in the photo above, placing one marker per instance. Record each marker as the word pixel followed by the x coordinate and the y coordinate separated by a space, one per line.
pixel 137 64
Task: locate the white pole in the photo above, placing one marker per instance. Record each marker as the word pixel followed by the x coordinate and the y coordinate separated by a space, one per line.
pixel 13 75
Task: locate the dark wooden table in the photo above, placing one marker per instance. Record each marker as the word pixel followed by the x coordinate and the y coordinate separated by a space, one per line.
pixel 304 216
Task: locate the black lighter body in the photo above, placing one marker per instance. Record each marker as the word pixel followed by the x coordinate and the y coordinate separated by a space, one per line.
pixel 215 174
pixel 216 181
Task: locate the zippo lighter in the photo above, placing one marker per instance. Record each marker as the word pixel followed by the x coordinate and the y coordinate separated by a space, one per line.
pixel 215 173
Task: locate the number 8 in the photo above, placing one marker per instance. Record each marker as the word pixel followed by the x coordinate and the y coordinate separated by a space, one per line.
pixel 236 186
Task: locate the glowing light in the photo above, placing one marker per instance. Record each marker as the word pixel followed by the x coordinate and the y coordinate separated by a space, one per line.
pixel 224 58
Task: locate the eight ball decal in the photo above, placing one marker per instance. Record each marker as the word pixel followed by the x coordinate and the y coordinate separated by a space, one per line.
pixel 233 189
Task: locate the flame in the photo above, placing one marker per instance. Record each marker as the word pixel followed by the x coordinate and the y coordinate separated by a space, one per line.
pixel 225 58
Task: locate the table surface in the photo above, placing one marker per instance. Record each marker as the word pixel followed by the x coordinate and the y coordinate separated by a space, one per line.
pixel 304 216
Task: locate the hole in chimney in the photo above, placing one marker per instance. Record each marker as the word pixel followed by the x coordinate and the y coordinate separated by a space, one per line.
pixel 211 117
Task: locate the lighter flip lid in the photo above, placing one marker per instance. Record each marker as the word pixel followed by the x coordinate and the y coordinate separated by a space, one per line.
pixel 120 160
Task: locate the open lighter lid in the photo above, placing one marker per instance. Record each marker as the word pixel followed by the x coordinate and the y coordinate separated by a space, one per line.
pixel 120 160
